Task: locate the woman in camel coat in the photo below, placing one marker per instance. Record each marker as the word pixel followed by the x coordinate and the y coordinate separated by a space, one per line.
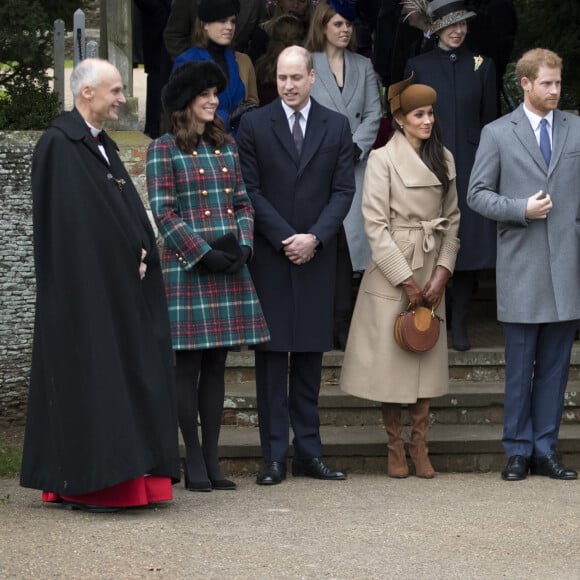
pixel 411 220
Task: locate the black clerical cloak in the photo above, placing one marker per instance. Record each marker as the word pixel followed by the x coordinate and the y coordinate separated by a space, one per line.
pixel 101 406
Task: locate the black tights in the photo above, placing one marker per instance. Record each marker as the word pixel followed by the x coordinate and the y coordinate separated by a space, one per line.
pixel 200 391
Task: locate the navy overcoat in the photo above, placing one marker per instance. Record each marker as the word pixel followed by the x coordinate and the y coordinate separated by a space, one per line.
pixel 466 101
pixel 291 194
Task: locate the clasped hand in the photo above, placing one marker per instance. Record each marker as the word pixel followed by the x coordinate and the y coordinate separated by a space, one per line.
pixel 142 265
pixel 300 248
pixel 432 294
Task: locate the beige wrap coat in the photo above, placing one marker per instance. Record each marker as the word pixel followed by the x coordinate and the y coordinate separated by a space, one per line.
pixel 412 228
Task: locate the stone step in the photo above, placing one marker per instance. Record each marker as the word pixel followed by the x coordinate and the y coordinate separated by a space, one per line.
pixel 467 403
pixel 453 448
pixel 485 364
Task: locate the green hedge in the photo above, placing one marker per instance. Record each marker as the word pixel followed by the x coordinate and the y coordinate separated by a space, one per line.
pixel 553 25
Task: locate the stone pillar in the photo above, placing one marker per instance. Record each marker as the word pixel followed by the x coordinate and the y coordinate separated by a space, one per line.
pixel 117 47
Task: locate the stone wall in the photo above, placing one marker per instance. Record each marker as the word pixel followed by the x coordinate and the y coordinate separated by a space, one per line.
pixel 17 288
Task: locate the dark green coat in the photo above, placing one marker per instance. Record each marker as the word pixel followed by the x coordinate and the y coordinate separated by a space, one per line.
pixel 195 199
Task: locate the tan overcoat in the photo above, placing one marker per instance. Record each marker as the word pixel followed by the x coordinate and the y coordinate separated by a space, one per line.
pixel 412 228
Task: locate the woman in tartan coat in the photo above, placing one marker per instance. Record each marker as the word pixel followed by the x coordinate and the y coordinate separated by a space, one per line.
pixel 201 207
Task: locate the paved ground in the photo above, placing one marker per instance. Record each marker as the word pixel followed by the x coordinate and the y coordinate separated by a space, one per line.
pixel 456 526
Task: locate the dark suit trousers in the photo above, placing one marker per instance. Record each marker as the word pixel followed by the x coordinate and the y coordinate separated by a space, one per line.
pixel 537 365
pixel 285 400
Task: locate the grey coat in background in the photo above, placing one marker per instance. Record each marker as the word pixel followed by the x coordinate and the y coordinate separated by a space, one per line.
pixel 360 103
pixel 538 261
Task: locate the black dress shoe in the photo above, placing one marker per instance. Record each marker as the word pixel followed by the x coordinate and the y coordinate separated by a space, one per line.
pixel 93 509
pixel 272 473
pixel 552 466
pixel 316 468
pixel 516 469
pixel 223 484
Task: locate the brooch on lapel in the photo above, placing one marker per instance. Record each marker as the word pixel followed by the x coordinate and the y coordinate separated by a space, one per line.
pixel 477 61
pixel 119 182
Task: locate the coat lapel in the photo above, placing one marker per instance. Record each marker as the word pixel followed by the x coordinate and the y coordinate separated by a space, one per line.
pixel 411 170
pixel 327 79
pixel 351 79
pixel 559 136
pixel 316 128
pixel 281 129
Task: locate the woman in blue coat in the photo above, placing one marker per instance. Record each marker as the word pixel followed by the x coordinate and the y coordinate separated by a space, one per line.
pixel 212 36
pixel 203 212
pixel 467 100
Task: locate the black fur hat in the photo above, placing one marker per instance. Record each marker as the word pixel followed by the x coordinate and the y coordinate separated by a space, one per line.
pixel 188 81
pixel 213 10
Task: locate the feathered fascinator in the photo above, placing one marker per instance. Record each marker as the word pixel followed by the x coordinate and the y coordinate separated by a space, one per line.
pixel 417 7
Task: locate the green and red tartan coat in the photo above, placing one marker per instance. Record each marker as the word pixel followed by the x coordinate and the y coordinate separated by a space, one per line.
pixel 195 198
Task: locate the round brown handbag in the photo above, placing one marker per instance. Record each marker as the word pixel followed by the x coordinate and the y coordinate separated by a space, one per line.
pixel 417 329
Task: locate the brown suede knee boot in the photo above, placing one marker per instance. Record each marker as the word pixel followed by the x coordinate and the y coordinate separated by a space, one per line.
pixel 418 449
pixel 397 462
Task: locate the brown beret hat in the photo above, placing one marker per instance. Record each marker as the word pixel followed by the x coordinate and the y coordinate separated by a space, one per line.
pixel 405 97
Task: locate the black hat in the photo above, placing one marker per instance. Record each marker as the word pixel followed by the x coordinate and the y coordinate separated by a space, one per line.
pixel 188 81
pixel 212 10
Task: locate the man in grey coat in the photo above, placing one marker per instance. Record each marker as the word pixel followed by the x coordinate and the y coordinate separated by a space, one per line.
pixel 525 177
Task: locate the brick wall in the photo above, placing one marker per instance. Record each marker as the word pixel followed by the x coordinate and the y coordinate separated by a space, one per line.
pixel 17 289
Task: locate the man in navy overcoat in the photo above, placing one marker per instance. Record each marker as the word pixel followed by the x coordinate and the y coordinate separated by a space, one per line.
pixel 301 182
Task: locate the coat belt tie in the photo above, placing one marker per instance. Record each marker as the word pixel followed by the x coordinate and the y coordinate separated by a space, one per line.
pixel 425 245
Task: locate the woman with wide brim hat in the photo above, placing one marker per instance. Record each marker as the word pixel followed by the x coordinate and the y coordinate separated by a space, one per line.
pixel 411 220
pixel 466 87
pixel 206 219
pixel 347 83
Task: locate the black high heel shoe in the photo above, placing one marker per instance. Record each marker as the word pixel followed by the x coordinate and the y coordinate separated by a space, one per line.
pixel 196 485
pixel 223 484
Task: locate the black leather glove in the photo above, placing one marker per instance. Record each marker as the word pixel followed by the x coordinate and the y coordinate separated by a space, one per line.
pixel 217 261
pixel 356 152
pixel 239 263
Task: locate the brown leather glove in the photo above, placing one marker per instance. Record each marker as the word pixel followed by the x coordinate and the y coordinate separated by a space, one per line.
pixel 435 287
pixel 413 292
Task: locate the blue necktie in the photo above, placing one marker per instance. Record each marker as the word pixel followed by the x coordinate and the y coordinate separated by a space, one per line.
pixel 545 146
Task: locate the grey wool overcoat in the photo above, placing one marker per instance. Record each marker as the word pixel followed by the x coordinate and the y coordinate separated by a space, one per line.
pixel 538 261
pixel 412 228
pixel 360 102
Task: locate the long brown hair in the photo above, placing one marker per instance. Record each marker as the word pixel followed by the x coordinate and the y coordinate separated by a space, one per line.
pixel 186 136
pixel 316 39
pixel 432 153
